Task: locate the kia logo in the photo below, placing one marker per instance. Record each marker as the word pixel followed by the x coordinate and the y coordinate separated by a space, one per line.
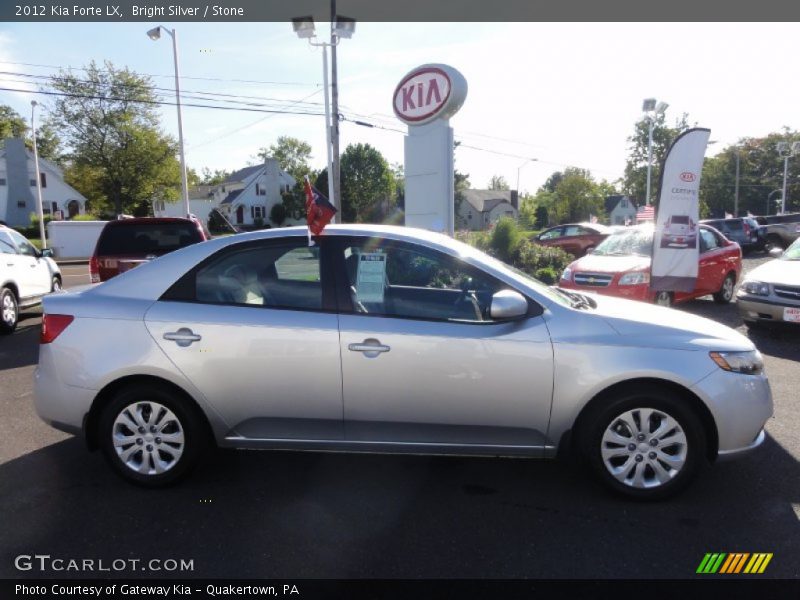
pixel 422 94
pixel 687 176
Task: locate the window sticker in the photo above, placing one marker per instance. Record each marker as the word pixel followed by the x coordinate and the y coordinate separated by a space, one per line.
pixel 371 277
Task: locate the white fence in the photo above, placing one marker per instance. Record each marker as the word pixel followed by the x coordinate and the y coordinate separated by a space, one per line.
pixel 73 239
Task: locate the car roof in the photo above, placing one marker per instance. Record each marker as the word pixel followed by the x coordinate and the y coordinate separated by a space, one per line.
pixel 139 220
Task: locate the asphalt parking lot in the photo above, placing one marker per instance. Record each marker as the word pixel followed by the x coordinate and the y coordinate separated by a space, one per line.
pixel 304 515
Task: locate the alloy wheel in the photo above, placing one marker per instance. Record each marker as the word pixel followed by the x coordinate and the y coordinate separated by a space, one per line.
pixel 9 310
pixel 644 448
pixel 663 299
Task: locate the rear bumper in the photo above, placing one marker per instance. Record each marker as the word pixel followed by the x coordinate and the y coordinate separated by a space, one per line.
pixel 59 405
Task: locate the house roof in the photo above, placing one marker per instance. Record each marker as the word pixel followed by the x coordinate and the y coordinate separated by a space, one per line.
pixel 231 197
pixel 242 174
pixel 200 192
pixel 612 201
pixel 486 200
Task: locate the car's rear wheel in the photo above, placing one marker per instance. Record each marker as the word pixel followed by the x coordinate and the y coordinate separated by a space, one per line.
pixel 55 286
pixel 646 444
pixel 663 298
pixel 9 310
pixel 725 293
pixel 774 241
pixel 150 437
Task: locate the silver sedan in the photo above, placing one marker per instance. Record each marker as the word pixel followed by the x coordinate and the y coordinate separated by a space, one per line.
pixel 389 339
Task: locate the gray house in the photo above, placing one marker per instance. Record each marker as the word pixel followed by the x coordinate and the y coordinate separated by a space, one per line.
pixel 621 210
pixel 481 208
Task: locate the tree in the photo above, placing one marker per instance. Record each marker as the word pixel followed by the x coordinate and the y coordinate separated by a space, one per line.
pixel 48 143
pixel 367 182
pixel 575 197
pixel 214 177
pixel 634 181
pixel 11 123
pixel 527 211
pixel 110 123
pixel 498 182
pixel 292 155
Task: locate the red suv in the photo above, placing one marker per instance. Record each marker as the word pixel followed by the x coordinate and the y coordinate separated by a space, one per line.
pixel 620 266
pixel 126 243
pixel 575 238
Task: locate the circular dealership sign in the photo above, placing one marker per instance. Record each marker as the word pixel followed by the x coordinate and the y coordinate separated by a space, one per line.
pixel 429 92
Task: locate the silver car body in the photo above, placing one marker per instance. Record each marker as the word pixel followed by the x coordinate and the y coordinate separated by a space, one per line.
pixel 286 379
pixel 782 299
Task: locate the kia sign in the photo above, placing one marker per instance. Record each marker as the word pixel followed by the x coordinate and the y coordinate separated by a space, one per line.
pixel 688 177
pixel 429 92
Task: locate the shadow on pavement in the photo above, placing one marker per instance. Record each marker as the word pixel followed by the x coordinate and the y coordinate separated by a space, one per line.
pixel 21 348
pixel 300 515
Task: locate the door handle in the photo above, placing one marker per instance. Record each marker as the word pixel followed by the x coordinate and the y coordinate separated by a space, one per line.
pixel 370 347
pixel 183 337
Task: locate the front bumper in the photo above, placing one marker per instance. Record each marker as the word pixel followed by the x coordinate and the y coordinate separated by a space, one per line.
pixel 763 308
pixel 740 405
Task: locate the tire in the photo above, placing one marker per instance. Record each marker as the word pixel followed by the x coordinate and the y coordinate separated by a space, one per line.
pixel 615 436
pixel 774 241
pixel 725 293
pixel 142 455
pixel 663 298
pixel 55 285
pixel 588 250
pixel 9 310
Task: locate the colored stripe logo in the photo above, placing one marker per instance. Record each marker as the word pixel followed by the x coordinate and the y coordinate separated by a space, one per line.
pixel 734 563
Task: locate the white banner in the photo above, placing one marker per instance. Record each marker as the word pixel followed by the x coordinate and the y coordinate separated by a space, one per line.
pixel 676 243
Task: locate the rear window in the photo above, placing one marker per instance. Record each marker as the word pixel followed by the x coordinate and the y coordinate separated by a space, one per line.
pixel 734 225
pixel 680 219
pixel 146 238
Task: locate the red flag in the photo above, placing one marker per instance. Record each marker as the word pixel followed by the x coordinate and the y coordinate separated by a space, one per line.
pixel 319 211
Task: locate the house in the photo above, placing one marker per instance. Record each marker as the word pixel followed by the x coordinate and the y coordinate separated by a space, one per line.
pixel 245 198
pixel 18 187
pixel 620 209
pixel 481 208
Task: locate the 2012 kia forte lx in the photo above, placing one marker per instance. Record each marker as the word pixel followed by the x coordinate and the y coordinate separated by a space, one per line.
pixel 388 339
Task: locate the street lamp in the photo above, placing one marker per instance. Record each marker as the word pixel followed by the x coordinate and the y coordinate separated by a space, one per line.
pixel 786 151
pixel 155 35
pixel 769 197
pixel 39 207
pixel 652 110
pixel 530 160
pixel 341 28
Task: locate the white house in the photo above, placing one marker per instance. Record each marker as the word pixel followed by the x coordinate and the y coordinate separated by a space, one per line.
pixel 481 208
pixel 245 197
pixel 18 187
pixel 620 210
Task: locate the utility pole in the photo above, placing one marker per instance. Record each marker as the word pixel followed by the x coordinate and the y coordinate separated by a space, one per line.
pixel 736 189
pixel 335 115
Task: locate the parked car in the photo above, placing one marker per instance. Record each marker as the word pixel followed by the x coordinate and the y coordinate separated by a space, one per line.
pixel 393 340
pixel 126 243
pixel 575 238
pixel 680 231
pixel 26 275
pixel 620 266
pixel 745 231
pixel 770 293
pixel 780 230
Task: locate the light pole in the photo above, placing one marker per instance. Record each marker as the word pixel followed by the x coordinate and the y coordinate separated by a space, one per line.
pixel 39 207
pixel 341 28
pixel 155 34
pixel 652 111
pixel 786 152
pixel 519 168
pixel 769 197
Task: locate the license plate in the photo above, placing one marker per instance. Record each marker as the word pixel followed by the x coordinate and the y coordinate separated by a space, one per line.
pixel 791 314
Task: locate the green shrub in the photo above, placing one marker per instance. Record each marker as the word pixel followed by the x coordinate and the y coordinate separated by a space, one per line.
pixel 505 238
pixel 547 275
pixel 86 217
pixel 533 258
pixel 277 214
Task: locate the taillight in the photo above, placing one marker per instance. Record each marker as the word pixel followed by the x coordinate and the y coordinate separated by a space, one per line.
pixel 94 269
pixel 53 325
pixel 746 228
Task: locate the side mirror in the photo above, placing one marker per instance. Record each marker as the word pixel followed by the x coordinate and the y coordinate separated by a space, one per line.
pixel 508 304
pixel 46 253
pixel 775 252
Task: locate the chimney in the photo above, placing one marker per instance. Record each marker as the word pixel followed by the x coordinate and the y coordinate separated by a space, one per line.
pixel 515 199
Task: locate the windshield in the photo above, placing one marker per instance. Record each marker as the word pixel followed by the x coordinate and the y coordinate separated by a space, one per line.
pixel 633 242
pixel 793 251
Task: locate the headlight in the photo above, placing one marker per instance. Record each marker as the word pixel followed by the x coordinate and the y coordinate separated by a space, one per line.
pixel 567 275
pixel 747 363
pixel 755 288
pixel 634 278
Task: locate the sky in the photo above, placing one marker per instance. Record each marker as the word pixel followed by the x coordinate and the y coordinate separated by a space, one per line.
pixel 566 94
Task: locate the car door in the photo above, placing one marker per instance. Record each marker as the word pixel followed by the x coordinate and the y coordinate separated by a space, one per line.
pixel 422 360
pixel 254 328
pixel 711 269
pixel 34 274
pixel 10 265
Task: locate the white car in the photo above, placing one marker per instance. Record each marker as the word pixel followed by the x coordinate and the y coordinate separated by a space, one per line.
pixel 26 275
pixel 389 339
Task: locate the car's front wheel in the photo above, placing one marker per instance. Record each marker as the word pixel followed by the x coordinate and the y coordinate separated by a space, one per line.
pixel 9 310
pixel 149 436
pixel 663 298
pixel 646 444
